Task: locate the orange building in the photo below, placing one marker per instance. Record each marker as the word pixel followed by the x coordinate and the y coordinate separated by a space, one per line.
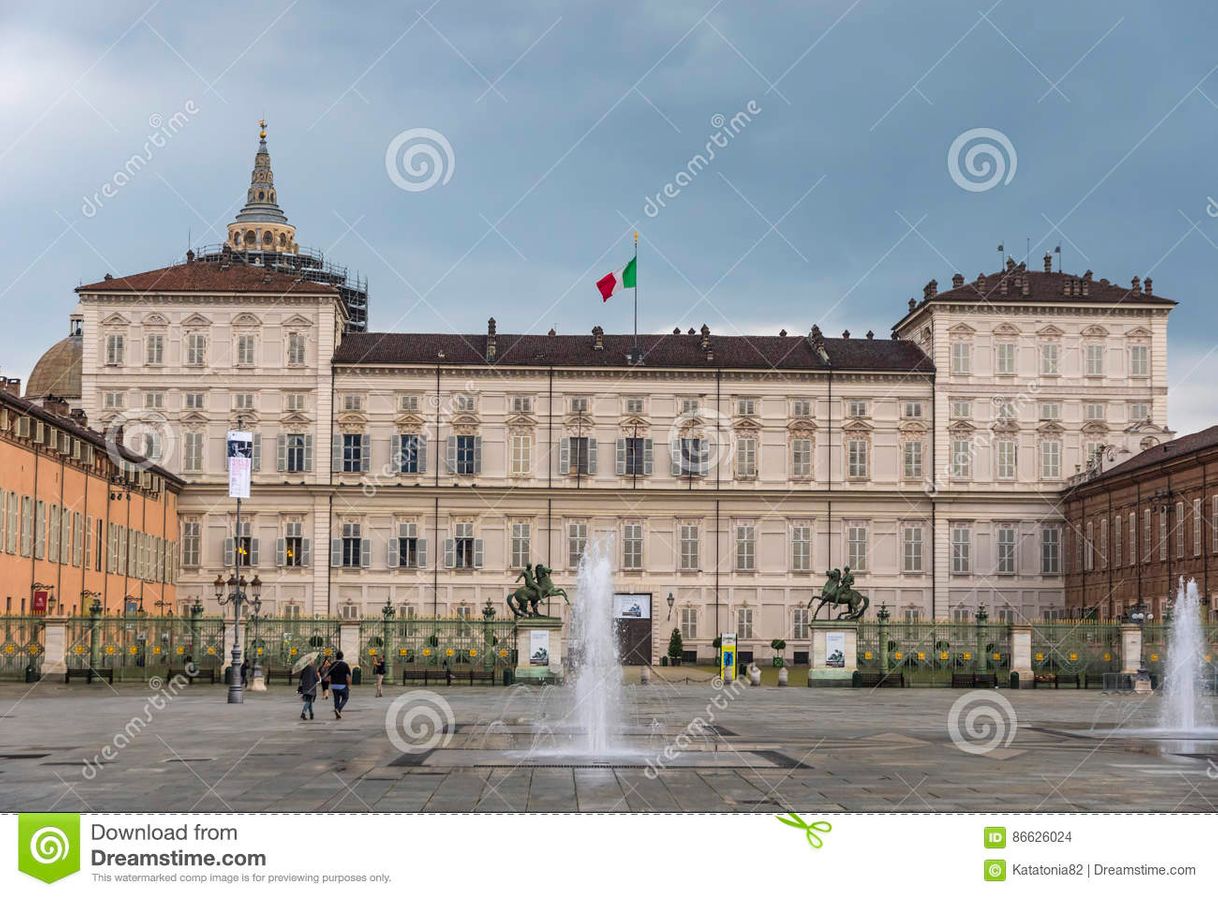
pixel 82 518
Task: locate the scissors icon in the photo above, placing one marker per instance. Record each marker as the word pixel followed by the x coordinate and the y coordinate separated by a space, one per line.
pixel 810 828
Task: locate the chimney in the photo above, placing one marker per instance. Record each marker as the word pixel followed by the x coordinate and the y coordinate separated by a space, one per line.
pixel 77 415
pixel 957 281
pixel 598 337
pixel 1002 286
pixel 552 332
pixel 56 405
pixel 491 340
pixel 705 331
pixel 108 276
pixel 1010 263
pixel 190 256
pixel 845 334
pixel 782 332
pixel 981 282
pixel 1150 287
pixel 912 303
pixel 1025 286
pixel 1135 285
pixel 870 334
pixel 931 288
pixel 676 331
pixel 11 385
pixel 1048 263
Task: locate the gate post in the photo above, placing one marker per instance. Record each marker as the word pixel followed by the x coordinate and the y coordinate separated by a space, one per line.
pixel 348 643
pixel 1021 654
pixel 1131 648
pixel 55 646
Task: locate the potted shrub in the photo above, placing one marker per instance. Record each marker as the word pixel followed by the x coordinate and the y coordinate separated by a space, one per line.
pixel 676 647
pixel 779 645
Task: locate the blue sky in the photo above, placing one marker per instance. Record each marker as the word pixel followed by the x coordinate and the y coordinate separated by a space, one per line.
pixel 832 205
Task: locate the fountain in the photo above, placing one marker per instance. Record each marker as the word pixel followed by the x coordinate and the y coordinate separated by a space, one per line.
pixel 598 683
pixel 1185 708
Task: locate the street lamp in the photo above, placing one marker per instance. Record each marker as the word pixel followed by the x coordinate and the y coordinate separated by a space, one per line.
pixel 671 601
pixel 232 591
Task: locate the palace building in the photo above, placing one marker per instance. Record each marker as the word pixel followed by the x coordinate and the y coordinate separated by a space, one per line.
pixel 423 471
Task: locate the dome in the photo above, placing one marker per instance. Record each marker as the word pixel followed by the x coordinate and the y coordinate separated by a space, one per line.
pixel 57 372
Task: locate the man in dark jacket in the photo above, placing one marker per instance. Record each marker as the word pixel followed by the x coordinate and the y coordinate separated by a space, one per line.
pixel 308 689
pixel 340 683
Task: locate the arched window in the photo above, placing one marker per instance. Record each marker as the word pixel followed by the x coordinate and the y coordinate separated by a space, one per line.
pixel 250 238
pixel 261 195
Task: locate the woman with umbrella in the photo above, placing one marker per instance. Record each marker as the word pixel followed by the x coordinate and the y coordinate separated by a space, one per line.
pixel 307 688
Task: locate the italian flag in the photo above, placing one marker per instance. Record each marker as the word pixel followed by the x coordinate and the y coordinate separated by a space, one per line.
pixel 611 283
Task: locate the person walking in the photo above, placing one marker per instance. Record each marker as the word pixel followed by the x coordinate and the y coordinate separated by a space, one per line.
pixel 308 689
pixel 324 675
pixel 378 669
pixel 340 684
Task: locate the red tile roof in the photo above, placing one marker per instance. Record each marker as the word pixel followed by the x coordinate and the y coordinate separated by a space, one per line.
pixel 209 277
pixel 1160 454
pixel 669 350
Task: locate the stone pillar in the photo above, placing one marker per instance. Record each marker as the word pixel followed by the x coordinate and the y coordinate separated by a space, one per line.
pixel 826 665
pixel 1021 655
pixel 1131 648
pixel 55 646
pixel 348 643
pixel 530 664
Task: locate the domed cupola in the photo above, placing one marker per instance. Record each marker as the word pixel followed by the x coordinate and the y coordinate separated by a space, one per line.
pixel 261 226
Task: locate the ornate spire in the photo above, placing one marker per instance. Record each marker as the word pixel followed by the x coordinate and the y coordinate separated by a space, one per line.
pixel 261 224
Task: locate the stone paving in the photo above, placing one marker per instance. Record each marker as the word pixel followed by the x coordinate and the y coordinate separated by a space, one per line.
pixel 771 749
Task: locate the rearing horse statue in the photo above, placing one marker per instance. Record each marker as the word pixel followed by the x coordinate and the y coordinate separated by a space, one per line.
pixel 839 590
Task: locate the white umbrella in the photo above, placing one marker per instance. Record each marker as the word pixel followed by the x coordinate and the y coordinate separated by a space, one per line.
pixel 304 661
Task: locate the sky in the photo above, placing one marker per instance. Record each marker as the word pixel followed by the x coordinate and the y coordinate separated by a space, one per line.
pixel 475 159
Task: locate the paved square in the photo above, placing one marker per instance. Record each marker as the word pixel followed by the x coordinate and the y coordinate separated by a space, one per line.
pixel 767 749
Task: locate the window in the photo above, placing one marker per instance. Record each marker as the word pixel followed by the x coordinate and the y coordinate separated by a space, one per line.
pixel 577 542
pixel 911 459
pixel 154 399
pixel 409 404
pixel 40 530
pixel 1050 359
pixel 1006 549
pixel 577 455
pixel 1146 535
pixel 856 408
pixel 1005 410
pixel 154 349
pixel 962 458
pixel 1004 359
pixel 1179 529
pixel 520 544
pixel 1094 359
pixel 295 548
pixel 689 539
pixel 196 349
pixel 112 400
pixel 801 457
pixel 1163 534
pixel 192 451
pixel 79 541
pixel 354 452
pixel 633 405
pixel 193 401
pixel 579 405
pixel 1196 527
pixel 961 409
pixel 1118 544
pixel 801 408
pixel 1213 524
pixel 744 623
pixel 911 548
pixel 689 406
pixel 634 456
pixel 689 622
pixel 116 345
pixel 746 547
pixel 295 452
pixel 245 349
pixel 856 546
pixel 296 349
pixel 799 624
pixel 1089 547
pixel 465 455
pixel 962 358
pixel 411 453
pixel 1139 361
pixel 1139 411
pixel 962 548
pixel 353 401
pixel 1093 411
pixel 746 407
pixel 463 401
pixel 1050 459
pixel 53 534
pixel 856 458
pixel 1050 411
pixel 746 457
pixel 351 545
pixel 1005 459
pixel 1133 538
pixel 522 454
pixel 243 401
pixel 463 551
pixel 632 546
pixel 801 547
pixel 691 457
pixel 294 402
pixel 191 543
pixel 912 410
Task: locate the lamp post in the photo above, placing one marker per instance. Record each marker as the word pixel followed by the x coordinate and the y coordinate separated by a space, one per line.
pixel 671 601
pixel 232 592
pixel 257 680
pixel 387 615
pixel 1139 615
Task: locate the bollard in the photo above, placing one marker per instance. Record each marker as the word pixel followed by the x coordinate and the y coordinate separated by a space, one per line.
pixel 644 675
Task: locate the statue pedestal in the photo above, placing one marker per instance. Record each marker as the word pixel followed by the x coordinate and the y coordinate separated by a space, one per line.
pixel 54 646
pixel 1021 655
pixel 539 649
pixel 833 657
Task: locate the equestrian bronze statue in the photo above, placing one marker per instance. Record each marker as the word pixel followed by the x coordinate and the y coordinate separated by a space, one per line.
pixel 838 590
pixel 538 586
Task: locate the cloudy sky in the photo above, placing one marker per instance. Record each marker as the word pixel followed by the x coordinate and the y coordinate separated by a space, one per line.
pixel 830 200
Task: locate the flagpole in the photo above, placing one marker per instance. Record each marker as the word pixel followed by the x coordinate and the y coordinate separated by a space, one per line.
pixel 637 354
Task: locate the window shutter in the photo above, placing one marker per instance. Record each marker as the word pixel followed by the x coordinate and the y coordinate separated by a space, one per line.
pixel 281 552
pixel 257 462
pixel 336 453
pixel 421 552
pixel 674 455
pixel 254 552
pixel 451 456
pixel 450 553
pixel 281 452
pixel 592 443
pixel 394 561
pixel 336 552
pixel 306 552
pixel 308 452
pixel 397 452
pixel 621 457
pixel 365 453
pixel 422 453
pixel 477 553
pixel 703 456
pixel 228 552
pixel 564 456
pixel 648 453
pixel 477 454
pixel 365 552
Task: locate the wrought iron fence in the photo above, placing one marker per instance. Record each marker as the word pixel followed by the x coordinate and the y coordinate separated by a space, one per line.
pixel 420 643
pixel 21 648
pixel 136 647
pixel 281 643
pixel 1071 651
pixel 929 653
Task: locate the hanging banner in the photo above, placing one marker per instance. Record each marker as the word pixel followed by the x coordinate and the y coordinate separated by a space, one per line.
pixel 539 648
pixel 40 602
pixel 240 452
pixel 835 649
pixel 632 606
